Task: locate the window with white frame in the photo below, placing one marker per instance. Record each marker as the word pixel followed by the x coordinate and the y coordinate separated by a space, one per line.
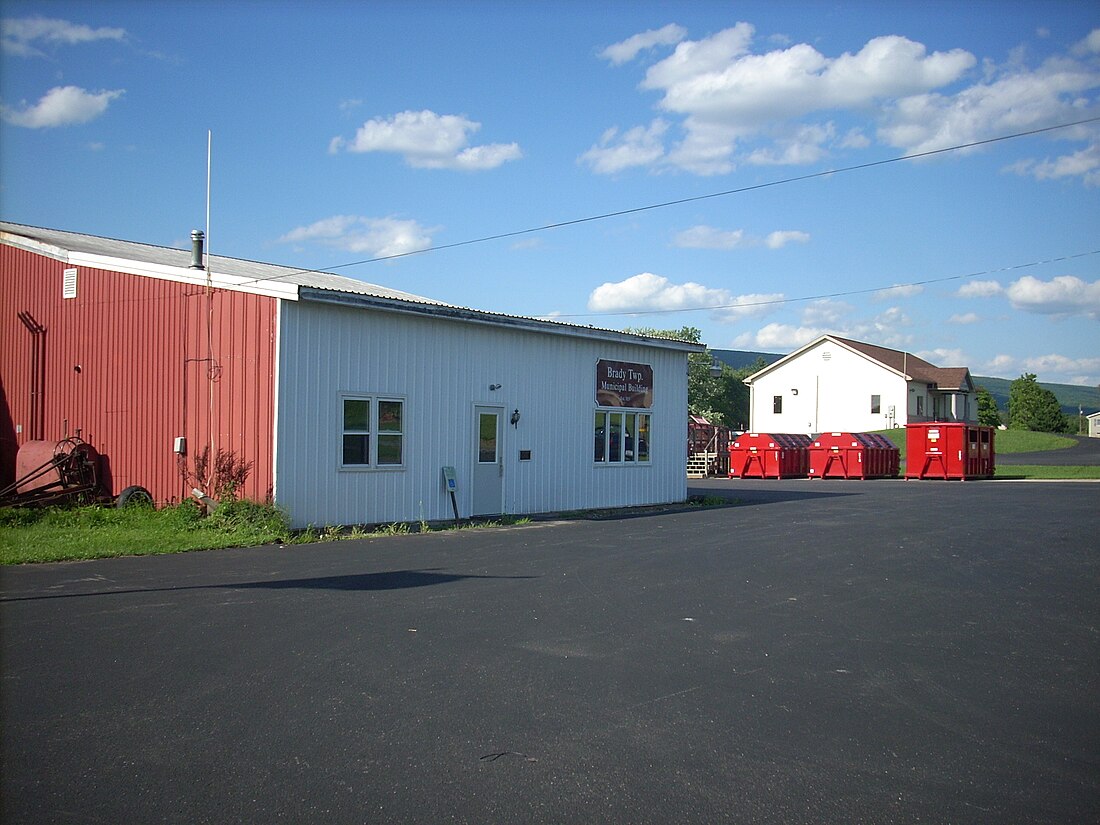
pixel 622 437
pixel 373 431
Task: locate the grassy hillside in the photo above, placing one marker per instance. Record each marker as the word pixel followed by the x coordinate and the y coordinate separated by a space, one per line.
pixel 739 359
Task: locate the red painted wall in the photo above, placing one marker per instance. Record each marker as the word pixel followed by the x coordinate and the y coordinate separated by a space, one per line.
pixel 127 369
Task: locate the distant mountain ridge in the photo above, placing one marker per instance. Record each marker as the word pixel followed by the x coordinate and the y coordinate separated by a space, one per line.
pixel 1071 397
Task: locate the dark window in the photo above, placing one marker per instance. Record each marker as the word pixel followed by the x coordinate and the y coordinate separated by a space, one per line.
pixel 876 404
pixel 777 404
pixel 373 432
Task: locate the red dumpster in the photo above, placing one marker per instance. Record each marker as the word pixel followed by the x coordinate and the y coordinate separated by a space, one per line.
pixel 769 455
pixel 853 455
pixel 949 450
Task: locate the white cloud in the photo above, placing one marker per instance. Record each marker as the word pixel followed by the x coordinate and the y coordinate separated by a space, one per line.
pixel 627 50
pixel 829 317
pixel 826 313
pixel 1055 368
pixel 709 237
pixel 893 293
pixel 648 292
pixel 18 35
pixel 980 289
pixel 779 337
pixel 61 106
pixel 1063 295
pixel 640 146
pixel 1084 164
pixel 429 141
pixel 1090 45
pixel 944 357
pixel 1012 100
pixel 724 98
pixel 726 93
pixel 964 318
pixel 377 237
pixel 1001 365
pixel 780 238
pixel 1044 365
pixel 806 145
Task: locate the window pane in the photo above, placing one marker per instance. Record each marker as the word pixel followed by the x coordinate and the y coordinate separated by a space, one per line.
pixel 615 445
pixel 643 438
pixel 356 449
pixel 356 414
pixel 487 439
pixel 389 449
pixel 601 437
pixel 777 403
pixel 389 416
pixel 628 436
pixel 876 404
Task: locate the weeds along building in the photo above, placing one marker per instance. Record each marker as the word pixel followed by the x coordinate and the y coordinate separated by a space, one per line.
pixel 353 403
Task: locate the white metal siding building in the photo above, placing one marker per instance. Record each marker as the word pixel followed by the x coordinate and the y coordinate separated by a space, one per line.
pixel 452 372
pixel 836 384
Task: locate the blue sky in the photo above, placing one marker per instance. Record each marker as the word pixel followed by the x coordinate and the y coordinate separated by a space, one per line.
pixel 344 132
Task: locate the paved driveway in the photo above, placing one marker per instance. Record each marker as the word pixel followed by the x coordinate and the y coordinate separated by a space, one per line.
pixel 1085 452
pixel 829 651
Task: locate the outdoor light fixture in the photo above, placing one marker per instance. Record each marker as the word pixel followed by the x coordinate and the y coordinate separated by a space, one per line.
pixel 794 391
pixel 493 387
pixel 515 419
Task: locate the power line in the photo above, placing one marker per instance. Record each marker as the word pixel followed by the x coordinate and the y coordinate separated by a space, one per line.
pixel 691 199
pixel 778 301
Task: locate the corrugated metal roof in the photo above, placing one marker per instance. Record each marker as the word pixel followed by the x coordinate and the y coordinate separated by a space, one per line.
pixel 253 276
pixel 253 271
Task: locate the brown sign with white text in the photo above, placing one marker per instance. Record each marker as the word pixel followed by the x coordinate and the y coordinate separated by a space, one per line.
pixel 621 384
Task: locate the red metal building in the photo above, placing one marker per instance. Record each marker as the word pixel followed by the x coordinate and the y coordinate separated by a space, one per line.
pixel 130 364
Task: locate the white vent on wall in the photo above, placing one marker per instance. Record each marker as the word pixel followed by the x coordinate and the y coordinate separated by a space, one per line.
pixel 826 355
pixel 68 284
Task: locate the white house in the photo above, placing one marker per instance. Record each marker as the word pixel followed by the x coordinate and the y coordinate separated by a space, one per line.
pixel 837 384
pixel 353 403
pixel 1094 425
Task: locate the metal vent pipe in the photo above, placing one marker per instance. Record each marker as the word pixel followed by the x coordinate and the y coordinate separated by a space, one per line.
pixel 196 249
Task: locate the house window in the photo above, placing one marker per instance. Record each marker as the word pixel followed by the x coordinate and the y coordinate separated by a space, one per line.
pixel 876 404
pixel 373 432
pixel 621 437
pixel 920 405
pixel 777 404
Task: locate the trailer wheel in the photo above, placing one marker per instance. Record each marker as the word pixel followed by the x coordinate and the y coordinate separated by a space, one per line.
pixel 134 496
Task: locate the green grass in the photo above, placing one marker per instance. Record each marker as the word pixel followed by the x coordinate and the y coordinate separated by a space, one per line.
pixel 1040 471
pixel 57 534
pixel 70 534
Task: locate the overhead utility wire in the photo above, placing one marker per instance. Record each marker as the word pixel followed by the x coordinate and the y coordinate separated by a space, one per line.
pixel 691 199
pixel 775 301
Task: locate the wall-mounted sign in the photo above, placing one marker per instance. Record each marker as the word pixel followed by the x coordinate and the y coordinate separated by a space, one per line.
pixel 621 384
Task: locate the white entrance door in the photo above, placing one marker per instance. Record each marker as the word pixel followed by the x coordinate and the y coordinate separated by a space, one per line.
pixel 488 483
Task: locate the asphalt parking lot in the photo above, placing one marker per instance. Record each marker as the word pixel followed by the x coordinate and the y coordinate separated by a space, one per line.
pixel 824 651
